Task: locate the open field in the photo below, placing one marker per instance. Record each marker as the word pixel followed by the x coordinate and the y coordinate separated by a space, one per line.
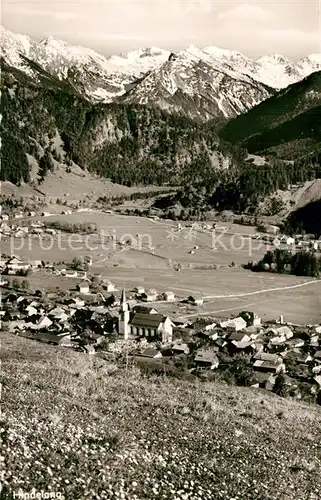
pixel 158 247
pixel 71 187
pixel 82 427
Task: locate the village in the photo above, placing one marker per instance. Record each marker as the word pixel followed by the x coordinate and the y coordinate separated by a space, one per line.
pixel 96 317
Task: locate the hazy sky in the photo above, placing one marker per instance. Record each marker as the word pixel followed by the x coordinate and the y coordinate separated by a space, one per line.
pixel 292 28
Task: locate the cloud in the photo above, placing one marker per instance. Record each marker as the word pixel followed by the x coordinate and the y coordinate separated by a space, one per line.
pixel 291 36
pixel 247 12
pixel 34 12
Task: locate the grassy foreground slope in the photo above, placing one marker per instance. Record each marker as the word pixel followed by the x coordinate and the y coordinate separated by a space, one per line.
pixel 82 427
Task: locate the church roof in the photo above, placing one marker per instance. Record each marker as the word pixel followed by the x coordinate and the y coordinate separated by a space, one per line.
pixel 147 320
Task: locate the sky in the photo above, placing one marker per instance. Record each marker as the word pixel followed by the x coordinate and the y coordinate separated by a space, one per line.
pixel 291 28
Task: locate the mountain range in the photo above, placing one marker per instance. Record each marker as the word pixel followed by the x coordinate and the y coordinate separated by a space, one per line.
pixel 204 84
pixel 153 117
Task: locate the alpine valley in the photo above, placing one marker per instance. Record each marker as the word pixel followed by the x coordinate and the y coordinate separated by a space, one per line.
pixel 185 119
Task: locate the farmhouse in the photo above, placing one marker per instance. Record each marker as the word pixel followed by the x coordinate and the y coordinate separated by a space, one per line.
pixel 149 296
pixel 83 288
pixel 169 296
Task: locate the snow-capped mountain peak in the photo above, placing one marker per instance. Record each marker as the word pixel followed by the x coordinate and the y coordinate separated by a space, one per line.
pixel 231 80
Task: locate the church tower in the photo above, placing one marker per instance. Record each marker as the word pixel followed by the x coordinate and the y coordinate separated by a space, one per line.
pixel 123 320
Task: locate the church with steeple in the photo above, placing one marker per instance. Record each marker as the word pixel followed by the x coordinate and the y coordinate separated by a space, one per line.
pixel 124 316
pixel 154 327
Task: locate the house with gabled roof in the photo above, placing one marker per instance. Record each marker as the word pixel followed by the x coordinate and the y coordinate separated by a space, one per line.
pixel 235 324
pixel 206 358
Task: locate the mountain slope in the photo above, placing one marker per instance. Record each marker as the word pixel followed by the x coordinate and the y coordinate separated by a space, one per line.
pixel 199 86
pixel 98 78
pixel 181 451
pixel 289 122
pixel 199 83
pixel 126 143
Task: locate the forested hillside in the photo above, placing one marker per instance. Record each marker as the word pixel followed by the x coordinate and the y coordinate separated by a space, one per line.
pixel 129 144
pixel 133 144
pixel 288 124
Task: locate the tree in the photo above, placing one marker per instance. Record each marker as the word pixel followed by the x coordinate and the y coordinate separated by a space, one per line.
pixel 24 285
pixel 280 385
pixel 15 284
pixel 76 264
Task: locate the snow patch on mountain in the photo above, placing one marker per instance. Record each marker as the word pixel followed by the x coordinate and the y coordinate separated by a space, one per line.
pixel 212 80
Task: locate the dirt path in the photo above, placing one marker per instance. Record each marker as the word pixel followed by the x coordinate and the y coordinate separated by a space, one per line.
pixel 266 290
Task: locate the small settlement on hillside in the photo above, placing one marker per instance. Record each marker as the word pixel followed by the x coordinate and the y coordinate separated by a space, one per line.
pixel 111 324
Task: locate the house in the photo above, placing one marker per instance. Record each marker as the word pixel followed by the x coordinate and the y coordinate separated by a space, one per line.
pixel 31 310
pixel 44 322
pixel 179 348
pixel 59 314
pixel 195 301
pixel 263 381
pixel 239 336
pixel 145 310
pixel 69 273
pixel 266 356
pixel 295 343
pixel 236 324
pixel 16 264
pixel 169 296
pixel 50 230
pixel 281 335
pixel 246 346
pixel 149 296
pixel 16 325
pixel 268 366
pixel 109 286
pixel 206 358
pixel 139 290
pixel 83 288
pixel 151 353
pixel 314 341
pixel 289 241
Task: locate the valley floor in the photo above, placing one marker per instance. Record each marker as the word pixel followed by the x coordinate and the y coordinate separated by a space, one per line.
pixel 86 428
pixel 158 247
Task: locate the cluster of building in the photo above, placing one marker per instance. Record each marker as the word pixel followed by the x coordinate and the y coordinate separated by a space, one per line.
pixel 117 325
pixel 296 242
pixel 22 230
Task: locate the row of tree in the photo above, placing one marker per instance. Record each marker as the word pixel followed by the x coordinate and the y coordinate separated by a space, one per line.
pixel 303 263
